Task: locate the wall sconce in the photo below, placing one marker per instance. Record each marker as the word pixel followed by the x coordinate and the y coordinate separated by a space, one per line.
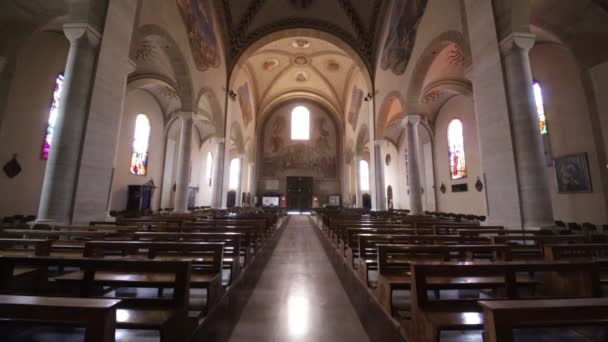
pixel 368 97
pixel 232 94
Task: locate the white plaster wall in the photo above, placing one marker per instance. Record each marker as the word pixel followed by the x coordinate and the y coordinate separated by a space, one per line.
pixel 393 174
pixel 25 120
pixel 205 192
pixel 472 201
pixel 567 111
pixel 599 77
pixel 138 102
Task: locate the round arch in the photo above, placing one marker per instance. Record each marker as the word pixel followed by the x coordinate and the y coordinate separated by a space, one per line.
pixel 176 57
pixel 426 59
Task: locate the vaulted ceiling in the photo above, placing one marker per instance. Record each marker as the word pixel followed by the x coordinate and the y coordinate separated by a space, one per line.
pixel 300 66
pixel 354 21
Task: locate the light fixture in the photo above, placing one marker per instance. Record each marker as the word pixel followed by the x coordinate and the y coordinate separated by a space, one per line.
pixel 232 94
pixel 368 97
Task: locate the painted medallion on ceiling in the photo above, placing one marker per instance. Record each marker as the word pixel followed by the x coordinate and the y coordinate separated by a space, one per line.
pixel 198 19
pixel 245 103
pixel 356 100
pixel 401 37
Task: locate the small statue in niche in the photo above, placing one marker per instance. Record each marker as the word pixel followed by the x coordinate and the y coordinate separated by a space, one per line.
pixel 12 168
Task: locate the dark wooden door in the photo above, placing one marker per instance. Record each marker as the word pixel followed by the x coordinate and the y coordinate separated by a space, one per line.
pixel 299 193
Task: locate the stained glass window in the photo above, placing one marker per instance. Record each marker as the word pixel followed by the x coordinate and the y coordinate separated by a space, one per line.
pixel 235 168
pixel 209 168
pixel 141 141
pixel 300 123
pixel 50 129
pixel 458 166
pixel 540 108
pixel 364 175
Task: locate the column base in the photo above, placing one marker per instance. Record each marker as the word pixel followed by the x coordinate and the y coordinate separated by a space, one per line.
pixel 49 222
pixel 179 212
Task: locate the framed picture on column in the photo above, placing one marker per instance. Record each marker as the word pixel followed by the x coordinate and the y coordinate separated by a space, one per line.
pixel 572 174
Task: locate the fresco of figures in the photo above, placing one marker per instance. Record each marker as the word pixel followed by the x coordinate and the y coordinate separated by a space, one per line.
pixel 316 157
pixel 198 18
pixel 398 47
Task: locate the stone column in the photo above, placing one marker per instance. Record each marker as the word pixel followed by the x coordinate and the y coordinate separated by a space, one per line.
pixel 379 146
pixel 528 145
pixel 239 188
pixel 61 175
pixel 183 167
pixel 2 64
pixel 218 173
pixel 413 163
pixel 358 193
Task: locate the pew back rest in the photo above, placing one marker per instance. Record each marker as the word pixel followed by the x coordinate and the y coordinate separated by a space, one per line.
pixel 205 255
pixel 176 275
pixel 576 251
pixel 398 258
pixel 368 242
pixel 38 247
pixel 584 274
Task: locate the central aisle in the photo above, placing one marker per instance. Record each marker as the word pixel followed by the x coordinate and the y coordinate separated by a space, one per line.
pixel 299 296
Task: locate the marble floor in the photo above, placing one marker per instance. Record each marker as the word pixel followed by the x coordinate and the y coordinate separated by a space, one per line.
pixel 299 296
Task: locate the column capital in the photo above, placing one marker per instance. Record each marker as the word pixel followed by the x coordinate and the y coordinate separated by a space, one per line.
pixel 186 115
pixel 412 119
pixel 218 140
pixel 130 66
pixel 75 32
pixel 380 142
pixel 517 41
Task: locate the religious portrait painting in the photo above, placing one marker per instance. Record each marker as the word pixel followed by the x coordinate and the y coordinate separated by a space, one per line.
pixel 401 37
pixel 245 103
pixel 572 174
pixel 356 100
pixel 198 18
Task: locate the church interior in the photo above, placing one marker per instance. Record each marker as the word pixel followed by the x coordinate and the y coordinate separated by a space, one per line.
pixel 303 170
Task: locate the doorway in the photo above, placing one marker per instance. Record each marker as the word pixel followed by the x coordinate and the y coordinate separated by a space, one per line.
pixel 299 193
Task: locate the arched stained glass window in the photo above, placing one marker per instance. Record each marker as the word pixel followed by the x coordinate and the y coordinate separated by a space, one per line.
pixel 209 168
pixel 458 166
pixel 235 168
pixel 300 123
pixel 50 129
pixel 540 108
pixel 364 175
pixel 141 141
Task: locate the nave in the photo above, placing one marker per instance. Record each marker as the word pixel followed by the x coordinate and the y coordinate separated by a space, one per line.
pixel 299 297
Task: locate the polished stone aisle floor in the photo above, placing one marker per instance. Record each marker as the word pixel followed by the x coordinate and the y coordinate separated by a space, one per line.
pixel 299 296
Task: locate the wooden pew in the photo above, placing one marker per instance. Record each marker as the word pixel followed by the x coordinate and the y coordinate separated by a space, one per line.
pixel 576 251
pixel 98 228
pixel 532 247
pixel 431 316
pixel 339 232
pixel 394 263
pixel 251 239
pixel 455 229
pixel 367 260
pixel 98 316
pixel 231 240
pixel 24 247
pixel 206 259
pixel 501 317
pixel 168 315
pixel 579 252
pixel 351 245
